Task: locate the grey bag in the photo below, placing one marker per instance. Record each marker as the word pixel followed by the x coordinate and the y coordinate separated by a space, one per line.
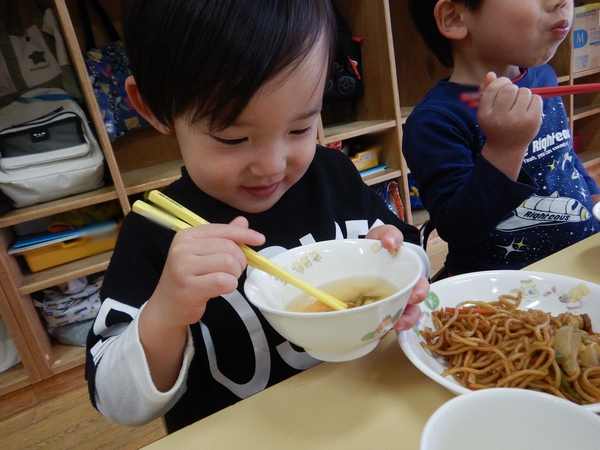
pixel 47 149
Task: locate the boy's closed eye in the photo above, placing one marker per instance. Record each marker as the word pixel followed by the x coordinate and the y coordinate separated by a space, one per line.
pixel 231 142
pixel 302 131
pixel 234 142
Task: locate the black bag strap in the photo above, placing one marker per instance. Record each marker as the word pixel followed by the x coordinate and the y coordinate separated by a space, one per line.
pixel 345 38
pixel 35 14
pixel 112 32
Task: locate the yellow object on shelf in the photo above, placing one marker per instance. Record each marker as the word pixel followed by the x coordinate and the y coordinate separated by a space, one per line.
pixel 64 252
pixel 366 159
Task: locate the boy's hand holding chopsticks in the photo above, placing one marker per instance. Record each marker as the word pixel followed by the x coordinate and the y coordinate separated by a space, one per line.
pixel 473 98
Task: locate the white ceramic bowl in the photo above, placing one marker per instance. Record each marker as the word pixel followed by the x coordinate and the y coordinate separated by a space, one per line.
pixel 335 335
pixel 596 211
pixel 544 291
pixel 501 419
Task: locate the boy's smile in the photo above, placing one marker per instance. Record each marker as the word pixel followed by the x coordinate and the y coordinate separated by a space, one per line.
pixel 251 164
pixel 262 191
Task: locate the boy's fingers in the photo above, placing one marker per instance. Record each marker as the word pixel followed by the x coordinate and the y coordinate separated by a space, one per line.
pixel 536 104
pixel 493 94
pixel 239 221
pixel 409 317
pixel 212 254
pixel 489 78
pixel 391 241
pixel 391 238
pixel 420 291
pixel 238 233
pixel 507 97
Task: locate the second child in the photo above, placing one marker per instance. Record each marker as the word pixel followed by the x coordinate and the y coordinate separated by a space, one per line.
pixel 501 181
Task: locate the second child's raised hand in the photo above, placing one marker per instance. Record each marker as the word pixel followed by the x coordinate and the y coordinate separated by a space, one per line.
pixel 510 117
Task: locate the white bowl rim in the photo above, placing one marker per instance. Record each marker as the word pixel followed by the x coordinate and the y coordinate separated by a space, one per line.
pixel 453 386
pixel 490 396
pixel 350 311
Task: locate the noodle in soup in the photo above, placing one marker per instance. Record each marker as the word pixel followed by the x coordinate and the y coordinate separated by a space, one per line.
pixel 355 292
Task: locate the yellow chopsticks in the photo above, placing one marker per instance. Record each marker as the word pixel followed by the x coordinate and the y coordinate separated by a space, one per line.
pixel 177 217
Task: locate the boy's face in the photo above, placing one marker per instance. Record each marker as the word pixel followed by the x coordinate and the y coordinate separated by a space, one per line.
pixel 251 164
pixel 524 33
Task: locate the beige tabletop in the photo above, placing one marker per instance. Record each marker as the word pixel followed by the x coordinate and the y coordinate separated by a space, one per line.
pixel 378 401
pixel 581 260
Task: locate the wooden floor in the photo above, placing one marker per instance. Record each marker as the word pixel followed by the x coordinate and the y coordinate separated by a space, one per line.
pixel 57 413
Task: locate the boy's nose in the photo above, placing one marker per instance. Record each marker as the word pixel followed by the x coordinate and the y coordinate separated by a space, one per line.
pixel 557 4
pixel 269 162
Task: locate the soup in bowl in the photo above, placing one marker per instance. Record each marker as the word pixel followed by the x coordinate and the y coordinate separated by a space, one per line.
pixel 374 282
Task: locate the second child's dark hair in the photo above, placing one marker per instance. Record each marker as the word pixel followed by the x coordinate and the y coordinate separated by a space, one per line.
pixel 421 12
pixel 205 59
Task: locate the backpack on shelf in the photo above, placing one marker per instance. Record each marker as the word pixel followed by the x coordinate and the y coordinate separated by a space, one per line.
pixel 345 83
pixel 47 149
pixel 108 68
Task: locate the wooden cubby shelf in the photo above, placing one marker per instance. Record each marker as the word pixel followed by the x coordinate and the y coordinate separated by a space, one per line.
pixel 152 177
pixel 17 216
pixel 586 73
pixel 14 378
pixel 36 281
pixel 380 177
pixel 354 129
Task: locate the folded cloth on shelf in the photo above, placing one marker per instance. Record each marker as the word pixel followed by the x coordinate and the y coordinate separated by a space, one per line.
pixel 69 303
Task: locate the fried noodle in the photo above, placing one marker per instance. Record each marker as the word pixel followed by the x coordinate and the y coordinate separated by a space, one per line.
pixel 497 345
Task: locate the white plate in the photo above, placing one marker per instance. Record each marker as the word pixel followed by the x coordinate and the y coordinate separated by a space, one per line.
pixel 544 291
pixel 596 211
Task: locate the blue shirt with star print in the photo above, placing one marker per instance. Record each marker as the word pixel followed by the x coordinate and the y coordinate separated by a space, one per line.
pixel 489 221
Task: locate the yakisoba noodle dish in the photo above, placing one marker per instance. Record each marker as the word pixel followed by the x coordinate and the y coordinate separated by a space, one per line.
pixel 497 345
pixel 511 328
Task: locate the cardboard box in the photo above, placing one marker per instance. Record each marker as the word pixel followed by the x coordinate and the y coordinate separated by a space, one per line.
pixel 367 159
pixel 586 37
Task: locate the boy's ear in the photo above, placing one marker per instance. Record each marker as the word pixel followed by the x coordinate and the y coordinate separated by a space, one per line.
pixel 140 106
pixel 448 16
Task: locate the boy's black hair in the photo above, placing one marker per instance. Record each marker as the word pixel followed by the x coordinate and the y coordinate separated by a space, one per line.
pixel 421 12
pixel 205 59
